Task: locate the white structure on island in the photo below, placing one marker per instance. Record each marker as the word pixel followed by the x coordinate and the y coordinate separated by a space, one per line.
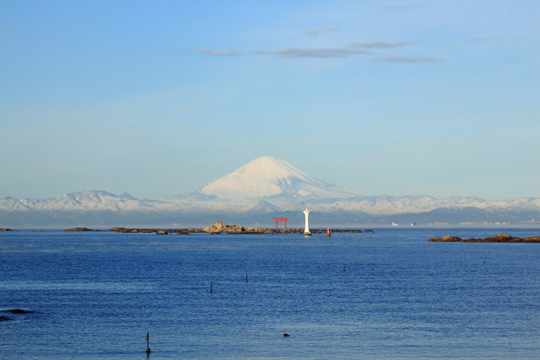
pixel 306 230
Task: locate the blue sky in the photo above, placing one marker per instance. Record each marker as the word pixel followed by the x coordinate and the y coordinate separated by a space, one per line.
pixel 155 98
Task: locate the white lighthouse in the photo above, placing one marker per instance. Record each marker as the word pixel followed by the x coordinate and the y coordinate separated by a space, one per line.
pixel 306 230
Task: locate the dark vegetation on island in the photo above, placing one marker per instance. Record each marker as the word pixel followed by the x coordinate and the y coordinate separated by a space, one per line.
pixel 501 238
pixel 220 228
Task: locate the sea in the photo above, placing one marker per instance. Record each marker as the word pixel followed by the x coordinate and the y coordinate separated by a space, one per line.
pixel 386 294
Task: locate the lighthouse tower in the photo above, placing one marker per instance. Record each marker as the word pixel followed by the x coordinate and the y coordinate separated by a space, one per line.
pixel 306 230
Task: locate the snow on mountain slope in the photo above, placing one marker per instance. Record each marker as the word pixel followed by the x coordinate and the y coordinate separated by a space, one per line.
pixel 267 177
pixel 12 204
pixel 378 205
pixel 91 200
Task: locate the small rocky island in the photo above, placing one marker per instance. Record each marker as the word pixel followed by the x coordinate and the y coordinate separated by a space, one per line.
pixel 218 228
pixel 499 238
pixel 80 229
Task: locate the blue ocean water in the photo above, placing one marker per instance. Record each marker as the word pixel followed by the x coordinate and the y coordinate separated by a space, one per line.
pixel 384 295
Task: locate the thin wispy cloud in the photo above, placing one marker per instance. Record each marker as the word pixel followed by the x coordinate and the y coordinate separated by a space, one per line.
pixel 210 52
pixel 359 48
pixel 313 53
pixel 378 44
pixel 409 59
pixel 315 32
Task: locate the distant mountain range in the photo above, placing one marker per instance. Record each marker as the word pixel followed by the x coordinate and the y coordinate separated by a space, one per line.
pixel 264 188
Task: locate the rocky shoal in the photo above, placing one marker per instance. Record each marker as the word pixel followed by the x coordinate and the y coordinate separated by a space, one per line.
pixel 218 228
pixel 499 238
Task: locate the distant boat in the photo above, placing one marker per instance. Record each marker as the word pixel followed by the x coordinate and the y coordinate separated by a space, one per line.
pixel 394 224
pixel 413 224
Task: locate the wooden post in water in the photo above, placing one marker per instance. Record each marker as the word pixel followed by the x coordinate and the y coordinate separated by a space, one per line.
pixel 247 278
pixel 148 343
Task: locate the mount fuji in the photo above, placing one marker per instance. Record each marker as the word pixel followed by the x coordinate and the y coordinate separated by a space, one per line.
pixel 266 182
pixel 265 186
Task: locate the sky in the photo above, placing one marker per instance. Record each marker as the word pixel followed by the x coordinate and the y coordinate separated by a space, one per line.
pixel 155 98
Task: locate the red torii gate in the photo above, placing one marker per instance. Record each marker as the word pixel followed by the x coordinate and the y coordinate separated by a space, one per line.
pixel 277 220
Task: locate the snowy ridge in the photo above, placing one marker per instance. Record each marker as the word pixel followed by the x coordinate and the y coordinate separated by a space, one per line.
pixel 91 200
pixel 374 205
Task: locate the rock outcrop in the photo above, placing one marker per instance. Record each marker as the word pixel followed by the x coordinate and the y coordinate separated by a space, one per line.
pixel 10 312
pixel 19 311
pixel 124 230
pixel 219 227
pixel 499 238
pixel 446 239
pixel 79 229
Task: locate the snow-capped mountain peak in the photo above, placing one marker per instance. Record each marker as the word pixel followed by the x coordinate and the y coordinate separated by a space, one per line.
pixel 268 176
